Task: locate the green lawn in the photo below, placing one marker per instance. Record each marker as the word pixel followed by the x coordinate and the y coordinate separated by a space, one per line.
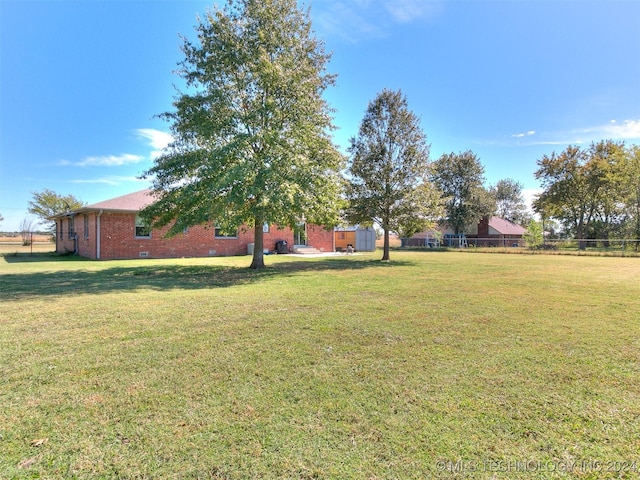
pixel 437 365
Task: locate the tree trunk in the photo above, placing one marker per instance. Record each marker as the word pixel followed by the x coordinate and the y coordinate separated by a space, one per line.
pixel 385 250
pixel 582 244
pixel 258 247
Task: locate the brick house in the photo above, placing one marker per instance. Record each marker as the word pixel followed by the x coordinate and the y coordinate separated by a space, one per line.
pixel 496 232
pixel 489 232
pixel 113 229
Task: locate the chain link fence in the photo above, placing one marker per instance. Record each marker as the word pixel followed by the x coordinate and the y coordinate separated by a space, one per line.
pixel 568 244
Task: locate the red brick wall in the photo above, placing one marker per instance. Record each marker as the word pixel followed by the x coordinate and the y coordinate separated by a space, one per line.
pixel 65 243
pixel 320 238
pixel 274 235
pixel 483 228
pixel 86 245
pixel 118 240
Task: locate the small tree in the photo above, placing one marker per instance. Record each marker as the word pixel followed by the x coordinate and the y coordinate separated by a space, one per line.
pixel 48 203
pixel 252 132
pixel 510 203
pixel 535 234
pixel 389 168
pixel 26 231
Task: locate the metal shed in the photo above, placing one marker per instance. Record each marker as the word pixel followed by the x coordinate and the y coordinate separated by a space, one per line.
pixel 362 239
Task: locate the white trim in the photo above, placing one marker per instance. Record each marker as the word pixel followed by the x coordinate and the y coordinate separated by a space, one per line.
pixel 98 234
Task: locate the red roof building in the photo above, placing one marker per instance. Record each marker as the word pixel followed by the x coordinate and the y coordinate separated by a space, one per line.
pixel 112 229
pixel 496 232
pixel 489 232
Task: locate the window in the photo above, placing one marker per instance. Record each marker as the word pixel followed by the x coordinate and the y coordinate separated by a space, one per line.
pixel 70 225
pixel 86 226
pixel 219 233
pixel 61 229
pixel 142 229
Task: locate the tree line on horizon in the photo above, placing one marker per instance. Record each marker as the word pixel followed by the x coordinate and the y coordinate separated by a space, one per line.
pixel 594 192
pixel 252 145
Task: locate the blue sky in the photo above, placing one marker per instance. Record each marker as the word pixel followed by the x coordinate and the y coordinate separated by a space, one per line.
pixel 81 82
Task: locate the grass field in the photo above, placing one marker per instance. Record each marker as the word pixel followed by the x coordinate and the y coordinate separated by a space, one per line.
pixel 436 365
pixel 12 245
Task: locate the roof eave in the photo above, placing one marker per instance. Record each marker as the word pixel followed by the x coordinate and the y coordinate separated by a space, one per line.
pixel 73 213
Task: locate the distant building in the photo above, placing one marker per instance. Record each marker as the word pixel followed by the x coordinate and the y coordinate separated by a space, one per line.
pixel 496 232
pixel 489 232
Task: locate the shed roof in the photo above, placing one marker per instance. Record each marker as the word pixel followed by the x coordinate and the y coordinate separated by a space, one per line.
pixel 352 228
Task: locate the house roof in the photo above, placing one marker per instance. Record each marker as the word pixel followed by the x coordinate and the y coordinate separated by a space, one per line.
pixel 132 202
pixel 505 227
pixel 499 225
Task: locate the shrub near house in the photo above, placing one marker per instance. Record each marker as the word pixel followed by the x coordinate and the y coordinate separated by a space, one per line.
pixel 113 230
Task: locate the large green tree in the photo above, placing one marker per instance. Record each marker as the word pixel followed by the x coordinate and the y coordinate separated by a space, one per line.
pixel 607 160
pixel 48 203
pixel 630 183
pixel 581 188
pixel 252 130
pixel 389 168
pixel 460 178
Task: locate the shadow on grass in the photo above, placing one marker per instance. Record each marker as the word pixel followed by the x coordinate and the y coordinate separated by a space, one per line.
pixel 160 276
pixel 26 257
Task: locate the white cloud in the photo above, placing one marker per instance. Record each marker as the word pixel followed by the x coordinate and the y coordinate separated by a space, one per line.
pixel 355 19
pixel 108 180
pixel 157 139
pixel 629 129
pixel 341 19
pixel 110 160
pixel 405 11
pixel 522 135
pixel 611 130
